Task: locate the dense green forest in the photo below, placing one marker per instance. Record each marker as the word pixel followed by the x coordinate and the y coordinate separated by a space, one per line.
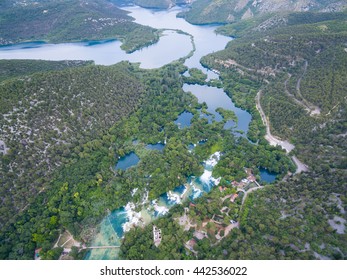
pixel 71 21
pixel 290 59
pixel 286 221
pixel 303 66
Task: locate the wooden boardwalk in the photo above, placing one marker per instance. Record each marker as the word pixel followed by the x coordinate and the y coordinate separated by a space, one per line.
pixel 101 247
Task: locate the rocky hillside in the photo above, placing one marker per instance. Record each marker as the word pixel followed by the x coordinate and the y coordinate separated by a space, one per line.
pixel 45 116
pixel 223 11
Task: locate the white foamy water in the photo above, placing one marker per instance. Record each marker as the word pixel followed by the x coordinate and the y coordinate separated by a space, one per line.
pixel 174 197
pixel 213 159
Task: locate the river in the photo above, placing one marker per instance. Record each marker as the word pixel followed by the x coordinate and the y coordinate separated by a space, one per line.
pixel 170 47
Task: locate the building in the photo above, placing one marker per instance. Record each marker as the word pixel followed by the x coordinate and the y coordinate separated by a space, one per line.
pixel 233 197
pixel 190 244
pixel 37 254
pixel 156 236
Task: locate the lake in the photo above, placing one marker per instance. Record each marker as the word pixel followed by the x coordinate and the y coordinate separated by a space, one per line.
pixel 156 147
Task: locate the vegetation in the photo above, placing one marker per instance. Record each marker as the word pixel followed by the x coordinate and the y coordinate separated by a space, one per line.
pixel 196 76
pixel 227 114
pixel 48 117
pixel 16 68
pixel 227 11
pixel 299 217
pixel 71 21
pixel 61 174
pixel 299 67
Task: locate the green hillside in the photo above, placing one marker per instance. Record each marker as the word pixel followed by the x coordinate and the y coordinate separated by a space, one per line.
pixel 301 63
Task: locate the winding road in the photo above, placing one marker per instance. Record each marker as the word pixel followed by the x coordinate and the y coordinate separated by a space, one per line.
pixel 274 141
pixel 309 107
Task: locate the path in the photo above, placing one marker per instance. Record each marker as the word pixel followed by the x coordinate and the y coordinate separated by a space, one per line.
pixel 297 101
pixel 301 167
pixel 268 136
pixel 314 110
pixel 249 191
pixel 100 247
pixel 230 227
pixel 309 107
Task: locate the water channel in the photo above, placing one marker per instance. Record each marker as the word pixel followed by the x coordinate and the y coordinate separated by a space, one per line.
pixel 171 46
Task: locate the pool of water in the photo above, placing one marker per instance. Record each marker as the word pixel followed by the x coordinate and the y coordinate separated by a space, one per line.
pixel 266 176
pixel 184 120
pixel 127 161
pixel 157 146
pixel 122 219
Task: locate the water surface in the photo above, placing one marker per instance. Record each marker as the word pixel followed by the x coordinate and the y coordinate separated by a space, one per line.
pixel 184 120
pixel 104 52
pixel 157 146
pixel 215 98
pixel 267 176
pixel 127 161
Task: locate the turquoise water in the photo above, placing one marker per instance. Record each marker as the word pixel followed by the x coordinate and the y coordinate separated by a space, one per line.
pixel 112 227
pixel 266 176
pixel 127 161
pixel 117 218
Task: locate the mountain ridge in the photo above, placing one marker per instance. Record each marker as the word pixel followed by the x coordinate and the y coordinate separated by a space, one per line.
pixel 227 11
